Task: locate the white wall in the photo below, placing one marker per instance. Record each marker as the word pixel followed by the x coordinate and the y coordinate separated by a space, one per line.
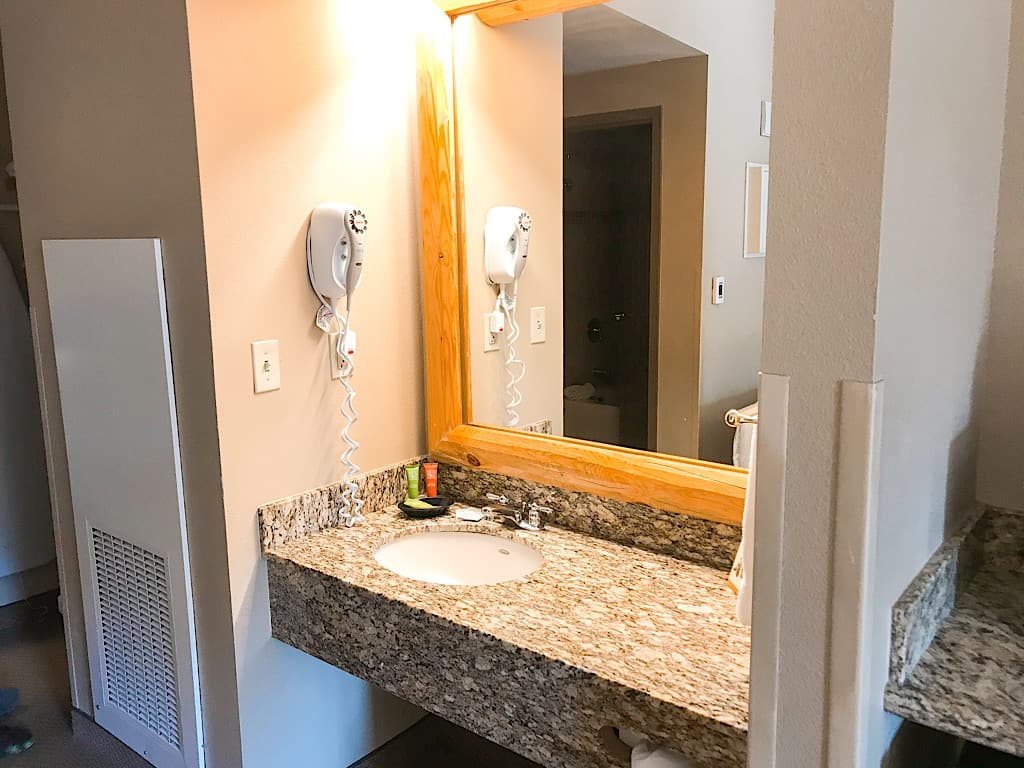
pixel 940 198
pixel 1001 459
pixel 885 161
pixel 296 106
pixel 512 155
pixel 26 531
pixel 738 42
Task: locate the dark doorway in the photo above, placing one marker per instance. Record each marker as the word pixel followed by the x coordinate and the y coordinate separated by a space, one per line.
pixel 608 210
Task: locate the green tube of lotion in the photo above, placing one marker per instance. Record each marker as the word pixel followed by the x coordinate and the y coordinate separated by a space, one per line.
pixel 412 481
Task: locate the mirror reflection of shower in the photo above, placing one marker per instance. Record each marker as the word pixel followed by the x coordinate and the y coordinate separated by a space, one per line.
pixel 607 213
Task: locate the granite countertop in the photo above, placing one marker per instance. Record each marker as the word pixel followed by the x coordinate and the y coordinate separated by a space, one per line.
pixel 969 680
pixel 645 638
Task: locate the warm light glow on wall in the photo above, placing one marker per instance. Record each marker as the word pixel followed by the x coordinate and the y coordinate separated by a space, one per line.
pixel 369 61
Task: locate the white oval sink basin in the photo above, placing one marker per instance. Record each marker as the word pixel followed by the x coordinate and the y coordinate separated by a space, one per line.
pixel 458 557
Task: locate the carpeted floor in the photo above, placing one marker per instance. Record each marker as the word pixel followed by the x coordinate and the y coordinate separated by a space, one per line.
pixel 33 659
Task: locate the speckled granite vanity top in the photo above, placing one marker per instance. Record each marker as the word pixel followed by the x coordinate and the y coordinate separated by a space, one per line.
pixel 601 634
pixel 958 658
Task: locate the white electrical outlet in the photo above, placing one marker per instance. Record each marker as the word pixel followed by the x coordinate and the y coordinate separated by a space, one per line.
pixel 266 366
pixel 538 325
pixel 492 337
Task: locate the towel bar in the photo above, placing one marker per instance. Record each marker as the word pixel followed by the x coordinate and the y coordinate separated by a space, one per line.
pixel 734 418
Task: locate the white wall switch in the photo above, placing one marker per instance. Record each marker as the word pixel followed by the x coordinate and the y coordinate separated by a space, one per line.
pixel 718 289
pixel 494 326
pixel 266 366
pixel 538 325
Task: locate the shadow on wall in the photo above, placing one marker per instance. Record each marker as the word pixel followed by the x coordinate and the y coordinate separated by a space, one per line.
pixel 26 527
pixel 962 462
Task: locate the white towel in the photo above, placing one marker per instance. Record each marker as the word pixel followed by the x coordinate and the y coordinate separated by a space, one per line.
pixel 644 756
pixel 744 438
pixel 578 392
pixel 741 577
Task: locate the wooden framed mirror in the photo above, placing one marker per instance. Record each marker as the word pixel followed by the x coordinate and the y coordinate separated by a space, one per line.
pixel 685 484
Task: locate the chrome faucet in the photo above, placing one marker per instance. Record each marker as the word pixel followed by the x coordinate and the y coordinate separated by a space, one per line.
pixel 529 517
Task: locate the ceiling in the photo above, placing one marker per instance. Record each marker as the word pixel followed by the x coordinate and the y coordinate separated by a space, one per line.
pixel 598 37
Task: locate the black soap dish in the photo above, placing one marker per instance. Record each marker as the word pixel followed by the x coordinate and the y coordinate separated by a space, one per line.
pixel 438 506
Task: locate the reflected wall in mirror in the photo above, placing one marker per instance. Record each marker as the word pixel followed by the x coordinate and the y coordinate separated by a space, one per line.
pixel 755 220
pixel 623 131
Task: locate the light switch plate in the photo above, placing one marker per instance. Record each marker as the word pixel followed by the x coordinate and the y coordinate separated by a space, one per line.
pixel 266 366
pixel 538 325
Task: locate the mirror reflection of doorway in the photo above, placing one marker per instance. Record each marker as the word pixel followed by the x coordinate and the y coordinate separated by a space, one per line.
pixel 610 269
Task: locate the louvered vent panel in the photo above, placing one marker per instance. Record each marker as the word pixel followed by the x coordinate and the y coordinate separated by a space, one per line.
pixel 136 629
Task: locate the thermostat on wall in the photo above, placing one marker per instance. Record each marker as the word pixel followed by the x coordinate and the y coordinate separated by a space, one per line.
pixel 718 289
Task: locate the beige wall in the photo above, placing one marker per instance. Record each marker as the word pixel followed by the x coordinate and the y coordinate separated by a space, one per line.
pixel 512 155
pixel 738 43
pixel 878 269
pixel 1001 459
pixel 101 117
pixel 296 107
pixel 679 87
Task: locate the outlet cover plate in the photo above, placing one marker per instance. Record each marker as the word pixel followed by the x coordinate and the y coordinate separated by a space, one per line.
pixel 538 325
pixel 492 340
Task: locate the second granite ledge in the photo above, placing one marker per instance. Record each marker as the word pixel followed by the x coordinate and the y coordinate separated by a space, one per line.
pixel 958 633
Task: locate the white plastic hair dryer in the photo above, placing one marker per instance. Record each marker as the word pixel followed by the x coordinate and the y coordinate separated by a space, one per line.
pixel 506 246
pixel 335 249
pixel 506 243
pixel 335 252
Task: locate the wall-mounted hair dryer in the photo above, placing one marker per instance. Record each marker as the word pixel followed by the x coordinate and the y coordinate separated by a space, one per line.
pixel 335 253
pixel 335 249
pixel 506 245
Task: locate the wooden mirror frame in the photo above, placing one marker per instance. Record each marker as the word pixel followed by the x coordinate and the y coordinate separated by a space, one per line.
pixel 696 488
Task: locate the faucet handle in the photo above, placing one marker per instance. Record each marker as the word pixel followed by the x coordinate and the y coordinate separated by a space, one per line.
pixel 536 517
pixel 502 499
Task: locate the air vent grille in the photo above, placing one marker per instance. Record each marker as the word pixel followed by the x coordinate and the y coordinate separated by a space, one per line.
pixel 137 633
